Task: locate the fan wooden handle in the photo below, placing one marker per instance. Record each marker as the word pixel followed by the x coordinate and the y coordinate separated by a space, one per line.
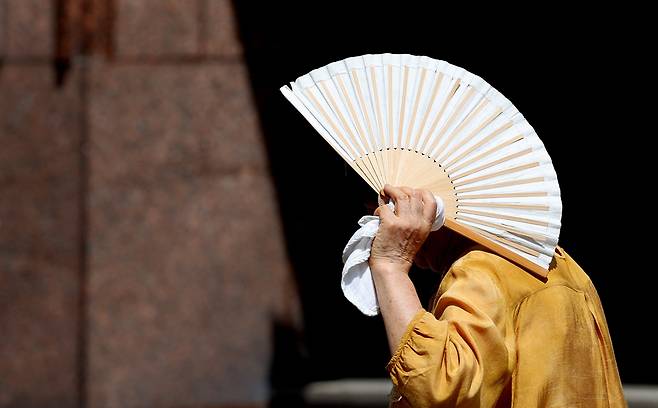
pixel 496 247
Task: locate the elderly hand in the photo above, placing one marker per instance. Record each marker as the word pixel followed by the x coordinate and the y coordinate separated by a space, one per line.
pixel 402 233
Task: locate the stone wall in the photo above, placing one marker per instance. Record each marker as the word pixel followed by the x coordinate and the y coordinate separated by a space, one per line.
pixel 141 254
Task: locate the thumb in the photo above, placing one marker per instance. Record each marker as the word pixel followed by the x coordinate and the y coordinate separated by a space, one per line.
pixel 384 212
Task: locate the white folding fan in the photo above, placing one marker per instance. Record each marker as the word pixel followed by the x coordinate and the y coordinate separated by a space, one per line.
pixel 419 122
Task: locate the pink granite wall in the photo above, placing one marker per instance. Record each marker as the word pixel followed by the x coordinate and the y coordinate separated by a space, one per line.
pixel 142 260
pixel 39 238
pixel 39 214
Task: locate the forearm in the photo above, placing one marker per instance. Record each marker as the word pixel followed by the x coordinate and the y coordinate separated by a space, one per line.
pixel 398 300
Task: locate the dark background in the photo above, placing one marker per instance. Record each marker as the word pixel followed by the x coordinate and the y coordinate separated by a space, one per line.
pixel 574 75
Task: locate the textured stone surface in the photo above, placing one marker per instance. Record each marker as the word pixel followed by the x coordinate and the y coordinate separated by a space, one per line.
pixel 29 28
pixel 182 284
pixel 157 28
pixel 39 187
pixel 3 28
pixel 187 264
pixel 151 123
pixel 40 125
pixel 222 30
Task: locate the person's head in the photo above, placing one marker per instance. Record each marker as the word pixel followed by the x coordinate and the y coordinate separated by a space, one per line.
pixel 441 249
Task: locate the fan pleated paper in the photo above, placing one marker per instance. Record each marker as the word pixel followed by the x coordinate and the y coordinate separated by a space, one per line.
pixel 424 123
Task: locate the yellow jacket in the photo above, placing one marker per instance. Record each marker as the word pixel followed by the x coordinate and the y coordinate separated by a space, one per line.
pixel 499 337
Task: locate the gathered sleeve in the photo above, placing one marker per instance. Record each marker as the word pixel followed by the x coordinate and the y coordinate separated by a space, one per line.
pixel 458 356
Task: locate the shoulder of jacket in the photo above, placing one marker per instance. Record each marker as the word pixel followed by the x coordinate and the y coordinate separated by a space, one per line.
pixel 478 259
pixel 513 280
pixel 475 263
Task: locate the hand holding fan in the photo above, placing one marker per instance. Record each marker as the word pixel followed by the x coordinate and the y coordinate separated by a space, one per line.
pixel 424 123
